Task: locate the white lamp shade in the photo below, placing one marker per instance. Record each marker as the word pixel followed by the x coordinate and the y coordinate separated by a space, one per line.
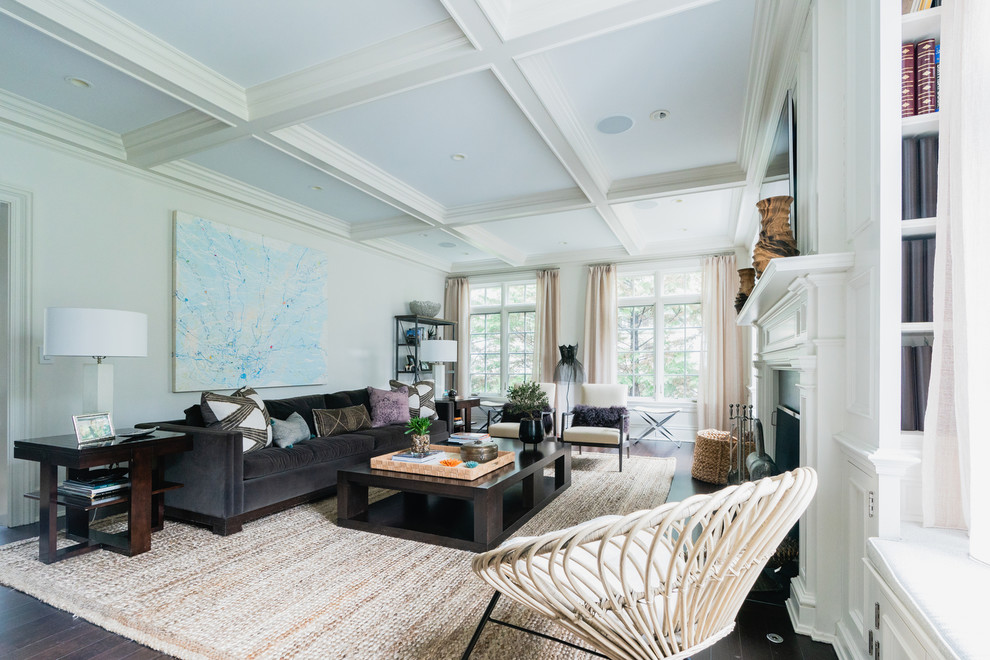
pixel 95 332
pixel 438 350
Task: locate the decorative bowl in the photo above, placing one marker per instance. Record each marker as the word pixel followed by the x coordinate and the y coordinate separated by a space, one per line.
pixel 479 451
pixel 424 308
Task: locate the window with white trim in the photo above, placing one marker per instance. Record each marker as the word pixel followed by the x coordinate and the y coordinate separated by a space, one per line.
pixel 660 353
pixel 502 335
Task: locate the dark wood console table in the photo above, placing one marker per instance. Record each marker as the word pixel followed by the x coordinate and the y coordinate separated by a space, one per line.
pixel 145 499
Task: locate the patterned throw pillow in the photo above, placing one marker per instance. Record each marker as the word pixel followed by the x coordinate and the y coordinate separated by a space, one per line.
pixel 421 398
pixel 337 421
pixel 389 407
pixel 290 431
pixel 249 393
pixel 236 413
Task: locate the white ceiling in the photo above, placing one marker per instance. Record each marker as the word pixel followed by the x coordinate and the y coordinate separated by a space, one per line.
pixel 349 113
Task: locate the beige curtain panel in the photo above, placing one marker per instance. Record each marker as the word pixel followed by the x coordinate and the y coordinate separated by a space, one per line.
pixel 547 324
pixel 723 368
pixel 457 307
pixel 601 325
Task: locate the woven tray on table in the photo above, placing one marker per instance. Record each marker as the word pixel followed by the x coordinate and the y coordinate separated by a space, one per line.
pixel 385 462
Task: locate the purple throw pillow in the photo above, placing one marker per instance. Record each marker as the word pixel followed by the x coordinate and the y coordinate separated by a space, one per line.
pixel 595 416
pixel 389 407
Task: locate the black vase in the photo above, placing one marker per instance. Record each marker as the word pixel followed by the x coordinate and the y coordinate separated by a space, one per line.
pixel 531 431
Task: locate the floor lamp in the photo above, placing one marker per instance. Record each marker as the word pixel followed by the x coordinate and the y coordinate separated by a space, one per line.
pixel 96 333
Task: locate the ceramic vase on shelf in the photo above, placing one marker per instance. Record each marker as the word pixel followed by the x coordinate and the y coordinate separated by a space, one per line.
pixel 420 443
pixel 776 237
pixel 747 279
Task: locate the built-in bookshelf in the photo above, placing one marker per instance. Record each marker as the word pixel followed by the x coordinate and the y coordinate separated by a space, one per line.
pixel 920 46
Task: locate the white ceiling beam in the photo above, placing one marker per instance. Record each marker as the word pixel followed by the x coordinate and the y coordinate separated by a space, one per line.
pixel 368 231
pixel 682 182
pixel 321 152
pixel 478 237
pixel 171 137
pixel 518 207
pixel 98 32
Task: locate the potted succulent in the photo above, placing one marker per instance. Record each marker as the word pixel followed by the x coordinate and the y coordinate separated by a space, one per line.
pixel 528 402
pixel 419 428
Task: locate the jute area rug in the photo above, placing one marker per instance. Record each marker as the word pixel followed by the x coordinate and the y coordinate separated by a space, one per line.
pixel 294 585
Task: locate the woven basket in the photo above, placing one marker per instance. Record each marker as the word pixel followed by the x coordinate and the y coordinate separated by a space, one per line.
pixel 711 457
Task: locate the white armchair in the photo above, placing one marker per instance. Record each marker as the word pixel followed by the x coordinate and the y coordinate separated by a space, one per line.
pixel 659 583
pixel 610 434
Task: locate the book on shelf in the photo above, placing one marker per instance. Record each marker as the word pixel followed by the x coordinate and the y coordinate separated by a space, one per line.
pixel 938 75
pixel 431 456
pixel 917 283
pixel 923 374
pixel 924 77
pixel 909 398
pixel 462 437
pixel 919 177
pixel 908 107
pixel 93 494
pixel 927 175
pixel 905 281
pixel 930 279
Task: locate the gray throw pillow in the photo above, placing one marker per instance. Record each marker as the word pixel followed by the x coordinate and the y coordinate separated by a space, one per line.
pixel 290 431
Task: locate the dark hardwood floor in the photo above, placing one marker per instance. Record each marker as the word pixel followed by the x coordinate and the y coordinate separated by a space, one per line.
pixel 31 629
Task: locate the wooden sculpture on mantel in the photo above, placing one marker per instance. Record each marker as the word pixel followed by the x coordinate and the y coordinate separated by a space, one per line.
pixel 747 279
pixel 776 237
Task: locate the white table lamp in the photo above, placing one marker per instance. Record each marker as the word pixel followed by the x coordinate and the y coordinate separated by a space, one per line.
pixel 96 333
pixel 437 352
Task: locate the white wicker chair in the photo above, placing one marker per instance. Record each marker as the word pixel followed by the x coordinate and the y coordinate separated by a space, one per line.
pixel 660 583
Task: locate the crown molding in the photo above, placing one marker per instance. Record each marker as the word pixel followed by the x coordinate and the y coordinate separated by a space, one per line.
pixel 318 150
pixel 96 31
pixel 388 60
pixel 697 179
pixel 155 143
pixel 760 63
pixel 557 201
pixel 544 81
pixel 224 186
pixel 28 115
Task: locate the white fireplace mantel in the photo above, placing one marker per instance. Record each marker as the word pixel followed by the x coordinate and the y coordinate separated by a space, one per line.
pixel 799 308
pixel 781 273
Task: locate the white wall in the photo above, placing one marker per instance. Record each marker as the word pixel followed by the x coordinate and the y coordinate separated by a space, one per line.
pixel 103 238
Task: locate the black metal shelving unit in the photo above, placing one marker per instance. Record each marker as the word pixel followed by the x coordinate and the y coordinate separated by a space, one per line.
pixel 406 347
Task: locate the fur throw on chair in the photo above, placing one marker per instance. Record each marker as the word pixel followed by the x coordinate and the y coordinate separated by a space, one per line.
pixel 595 416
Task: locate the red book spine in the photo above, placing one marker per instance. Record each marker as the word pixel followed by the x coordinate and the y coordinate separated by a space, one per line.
pixel 925 77
pixel 907 80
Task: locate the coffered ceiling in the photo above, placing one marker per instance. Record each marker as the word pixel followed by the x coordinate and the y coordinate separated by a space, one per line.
pixel 468 135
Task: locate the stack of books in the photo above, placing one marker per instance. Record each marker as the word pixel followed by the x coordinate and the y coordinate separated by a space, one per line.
pixel 91 490
pixel 432 456
pixel 462 437
pixel 920 69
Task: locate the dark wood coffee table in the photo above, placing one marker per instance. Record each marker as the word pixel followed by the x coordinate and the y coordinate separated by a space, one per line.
pixel 468 515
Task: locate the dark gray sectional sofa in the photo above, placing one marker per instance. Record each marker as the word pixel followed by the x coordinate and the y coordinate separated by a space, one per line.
pixel 224 487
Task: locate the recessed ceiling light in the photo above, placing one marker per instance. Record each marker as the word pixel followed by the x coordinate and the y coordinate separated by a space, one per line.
pixel 78 82
pixel 614 124
pixel 645 204
pixel 316 188
pixel 678 201
pixel 424 235
pixel 457 157
pixel 447 244
pixel 563 242
pixel 466 254
pixel 657 115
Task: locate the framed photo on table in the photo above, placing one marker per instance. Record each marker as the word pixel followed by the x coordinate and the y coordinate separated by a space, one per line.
pixel 93 427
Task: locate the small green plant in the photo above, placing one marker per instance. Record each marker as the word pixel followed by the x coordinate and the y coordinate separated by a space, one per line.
pixel 528 400
pixel 418 426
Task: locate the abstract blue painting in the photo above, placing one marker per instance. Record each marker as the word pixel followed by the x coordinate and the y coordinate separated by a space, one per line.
pixel 249 309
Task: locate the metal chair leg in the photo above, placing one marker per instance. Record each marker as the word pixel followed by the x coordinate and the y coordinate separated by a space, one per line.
pixel 481 626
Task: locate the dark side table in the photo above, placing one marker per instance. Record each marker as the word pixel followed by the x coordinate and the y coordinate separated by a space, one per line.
pixel 145 499
pixel 448 408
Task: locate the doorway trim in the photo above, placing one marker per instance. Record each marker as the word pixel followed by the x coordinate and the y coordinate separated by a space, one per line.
pixel 17 407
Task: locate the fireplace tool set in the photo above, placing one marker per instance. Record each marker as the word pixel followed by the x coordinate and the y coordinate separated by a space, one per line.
pixel 744 428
